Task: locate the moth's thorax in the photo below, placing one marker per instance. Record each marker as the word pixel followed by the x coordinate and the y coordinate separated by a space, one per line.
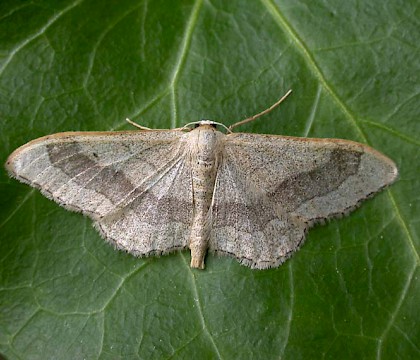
pixel 205 142
pixel 205 146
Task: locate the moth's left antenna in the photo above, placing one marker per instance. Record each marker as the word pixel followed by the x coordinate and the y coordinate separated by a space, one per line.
pixel 137 125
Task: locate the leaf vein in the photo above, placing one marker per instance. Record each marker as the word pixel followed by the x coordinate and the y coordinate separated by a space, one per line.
pixel 394 314
pixel 37 34
pixel 182 57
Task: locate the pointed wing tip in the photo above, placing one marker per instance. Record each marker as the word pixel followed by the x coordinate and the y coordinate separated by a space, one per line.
pixel 10 166
pixel 393 172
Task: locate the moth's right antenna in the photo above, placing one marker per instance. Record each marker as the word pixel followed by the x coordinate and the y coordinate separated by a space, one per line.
pixel 262 112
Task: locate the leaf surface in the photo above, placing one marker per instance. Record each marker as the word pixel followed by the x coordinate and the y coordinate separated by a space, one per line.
pixel 352 291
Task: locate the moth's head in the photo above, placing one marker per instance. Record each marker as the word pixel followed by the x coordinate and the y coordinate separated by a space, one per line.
pixel 206 122
pixel 202 122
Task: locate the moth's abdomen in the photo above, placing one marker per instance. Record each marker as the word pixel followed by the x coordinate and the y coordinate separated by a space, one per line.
pixel 204 154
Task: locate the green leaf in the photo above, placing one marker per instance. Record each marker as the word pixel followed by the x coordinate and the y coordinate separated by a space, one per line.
pixel 351 292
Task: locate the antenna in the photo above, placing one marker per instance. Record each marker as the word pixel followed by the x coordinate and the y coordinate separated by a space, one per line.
pixel 266 111
pixel 137 125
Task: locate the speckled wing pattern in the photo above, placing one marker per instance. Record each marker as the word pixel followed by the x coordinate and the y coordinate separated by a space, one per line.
pixel 246 195
pixel 128 182
pixel 271 189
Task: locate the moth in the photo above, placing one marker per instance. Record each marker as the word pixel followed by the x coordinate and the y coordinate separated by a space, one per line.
pixel 250 196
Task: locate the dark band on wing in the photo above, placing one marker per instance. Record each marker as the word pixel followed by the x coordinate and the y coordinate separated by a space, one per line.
pixel 86 172
pixel 296 190
pixel 114 185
